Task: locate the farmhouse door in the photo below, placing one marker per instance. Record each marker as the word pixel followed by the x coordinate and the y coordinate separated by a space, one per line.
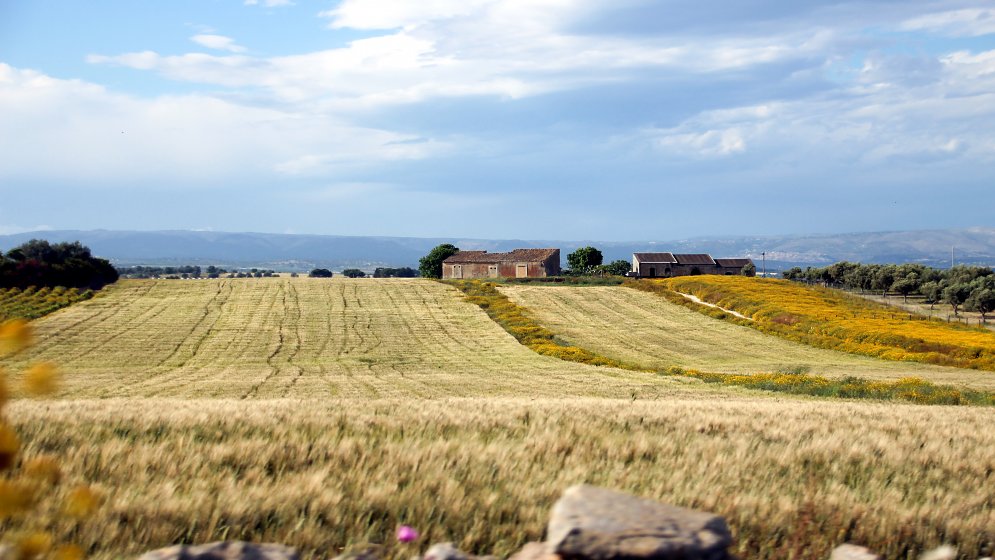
pixel 457 271
pixel 492 271
pixel 521 271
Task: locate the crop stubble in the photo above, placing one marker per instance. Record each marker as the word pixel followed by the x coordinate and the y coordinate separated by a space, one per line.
pixel 352 406
pixel 793 477
pixel 301 338
pixel 640 328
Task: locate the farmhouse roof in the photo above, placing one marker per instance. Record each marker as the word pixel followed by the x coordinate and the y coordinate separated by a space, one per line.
pixel 694 258
pixel 733 263
pixel 653 258
pixel 518 255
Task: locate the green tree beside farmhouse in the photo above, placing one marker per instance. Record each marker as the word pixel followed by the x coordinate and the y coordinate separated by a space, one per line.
pixel 584 260
pixel 430 266
pixel 615 268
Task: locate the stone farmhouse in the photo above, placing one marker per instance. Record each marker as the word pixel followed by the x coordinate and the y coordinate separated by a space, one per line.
pixel 520 263
pixel 666 265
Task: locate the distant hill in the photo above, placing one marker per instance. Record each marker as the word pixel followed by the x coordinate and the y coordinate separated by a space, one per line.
pixel 303 252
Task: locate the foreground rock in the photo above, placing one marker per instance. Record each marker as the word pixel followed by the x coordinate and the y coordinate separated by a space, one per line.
pixel 227 550
pixel 852 552
pixel 596 524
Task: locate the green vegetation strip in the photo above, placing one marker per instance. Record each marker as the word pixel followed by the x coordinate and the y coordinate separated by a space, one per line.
pixel 517 322
pixel 32 303
pixel 513 318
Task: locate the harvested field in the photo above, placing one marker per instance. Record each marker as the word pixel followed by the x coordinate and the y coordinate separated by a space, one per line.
pixel 644 329
pixel 297 338
pixel 793 477
pixel 323 413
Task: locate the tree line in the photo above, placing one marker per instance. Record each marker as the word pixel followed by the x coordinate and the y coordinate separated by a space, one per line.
pixel 42 264
pixel 971 288
pixel 190 271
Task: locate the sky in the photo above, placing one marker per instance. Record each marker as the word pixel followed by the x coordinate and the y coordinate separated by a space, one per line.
pixel 511 119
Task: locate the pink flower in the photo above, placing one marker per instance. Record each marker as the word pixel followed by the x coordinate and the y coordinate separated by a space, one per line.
pixel 406 534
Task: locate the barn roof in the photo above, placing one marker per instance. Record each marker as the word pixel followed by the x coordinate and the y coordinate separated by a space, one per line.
pixel 694 258
pixel 518 255
pixel 733 263
pixel 654 258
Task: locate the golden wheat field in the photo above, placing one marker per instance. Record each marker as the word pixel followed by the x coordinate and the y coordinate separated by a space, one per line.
pixel 324 413
pixel 793 477
pixel 302 337
pixel 641 328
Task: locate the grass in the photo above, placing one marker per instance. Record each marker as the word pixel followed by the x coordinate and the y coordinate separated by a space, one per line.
pixel 639 328
pixel 833 319
pixel 32 303
pixel 301 338
pixel 793 478
pixel 514 319
pixel 323 413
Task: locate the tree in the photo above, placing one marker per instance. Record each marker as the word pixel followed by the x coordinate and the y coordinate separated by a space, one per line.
pixel 981 300
pixel 353 273
pixel 583 260
pixel 40 263
pixel 615 268
pixel 932 291
pixel 956 294
pixel 906 286
pixel 749 269
pixel 430 266
pixel 320 273
pixel 793 273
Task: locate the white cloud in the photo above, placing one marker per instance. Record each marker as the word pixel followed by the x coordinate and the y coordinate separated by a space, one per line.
pixel 269 3
pixel 389 14
pixel 972 22
pixel 217 42
pixel 103 138
pixel 710 143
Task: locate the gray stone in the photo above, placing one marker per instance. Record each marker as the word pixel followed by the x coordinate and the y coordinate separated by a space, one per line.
pixel 852 552
pixel 365 551
pixel 945 552
pixel 444 551
pixel 596 524
pixel 534 551
pixel 223 550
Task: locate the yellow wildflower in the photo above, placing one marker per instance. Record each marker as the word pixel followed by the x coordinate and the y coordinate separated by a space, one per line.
pixel 41 379
pixel 68 552
pixel 43 469
pixel 9 444
pixel 81 502
pixel 34 545
pixel 15 335
pixel 15 498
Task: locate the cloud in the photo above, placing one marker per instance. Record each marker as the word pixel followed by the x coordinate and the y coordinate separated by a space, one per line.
pixel 269 3
pixel 971 22
pixel 110 139
pixel 217 42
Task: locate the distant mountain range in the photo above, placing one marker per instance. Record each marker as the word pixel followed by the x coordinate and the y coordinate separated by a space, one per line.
pixel 304 252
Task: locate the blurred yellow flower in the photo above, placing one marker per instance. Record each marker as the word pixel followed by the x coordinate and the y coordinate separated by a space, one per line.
pixel 43 469
pixel 15 498
pixel 34 545
pixel 81 502
pixel 9 444
pixel 68 552
pixel 4 390
pixel 15 335
pixel 41 379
